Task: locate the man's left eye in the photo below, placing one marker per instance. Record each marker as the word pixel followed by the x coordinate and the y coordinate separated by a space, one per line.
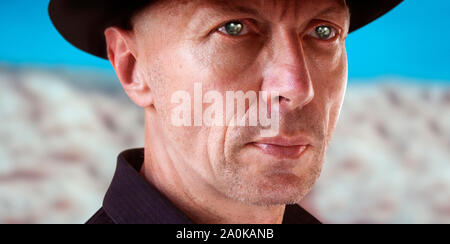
pixel 324 32
pixel 234 28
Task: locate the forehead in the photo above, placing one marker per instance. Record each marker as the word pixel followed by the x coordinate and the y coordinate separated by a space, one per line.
pixel 266 8
pixel 269 6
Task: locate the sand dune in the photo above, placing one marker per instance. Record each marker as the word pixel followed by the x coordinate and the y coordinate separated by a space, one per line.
pixel 389 161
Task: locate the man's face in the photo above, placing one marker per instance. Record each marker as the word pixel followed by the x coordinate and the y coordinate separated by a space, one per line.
pixel 293 47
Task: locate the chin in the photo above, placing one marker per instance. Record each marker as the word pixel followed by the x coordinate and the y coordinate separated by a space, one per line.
pixel 255 179
pixel 274 189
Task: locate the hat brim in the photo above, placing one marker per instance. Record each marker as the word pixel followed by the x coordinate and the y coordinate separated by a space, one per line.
pixel 82 22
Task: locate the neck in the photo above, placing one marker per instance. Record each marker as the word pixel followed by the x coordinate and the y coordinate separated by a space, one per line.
pixel 200 201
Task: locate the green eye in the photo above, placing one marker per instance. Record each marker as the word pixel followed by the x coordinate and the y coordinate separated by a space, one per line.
pixel 325 32
pixel 233 28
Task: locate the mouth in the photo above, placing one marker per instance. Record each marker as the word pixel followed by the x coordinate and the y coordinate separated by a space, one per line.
pixel 283 148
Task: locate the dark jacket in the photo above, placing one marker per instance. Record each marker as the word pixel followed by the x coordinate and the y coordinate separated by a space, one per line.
pixel 132 200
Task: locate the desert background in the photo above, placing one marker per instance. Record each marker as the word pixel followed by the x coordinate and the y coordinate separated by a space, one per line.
pixel 60 133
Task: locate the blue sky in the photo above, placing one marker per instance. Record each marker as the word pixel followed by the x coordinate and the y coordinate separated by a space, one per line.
pixel 412 41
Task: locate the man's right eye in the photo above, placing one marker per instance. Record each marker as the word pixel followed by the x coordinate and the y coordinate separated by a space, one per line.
pixel 234 28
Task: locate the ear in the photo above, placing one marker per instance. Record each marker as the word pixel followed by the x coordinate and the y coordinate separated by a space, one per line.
pixel 121 48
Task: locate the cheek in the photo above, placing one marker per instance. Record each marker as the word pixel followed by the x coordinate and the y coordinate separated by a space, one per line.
pixel 329 72
pixel 227 59
pixel 178 69
pixel 164 74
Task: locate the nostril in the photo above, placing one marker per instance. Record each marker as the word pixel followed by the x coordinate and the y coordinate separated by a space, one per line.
pixel 283 99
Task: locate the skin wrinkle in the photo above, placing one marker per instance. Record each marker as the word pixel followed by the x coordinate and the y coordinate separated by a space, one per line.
pixel 211 173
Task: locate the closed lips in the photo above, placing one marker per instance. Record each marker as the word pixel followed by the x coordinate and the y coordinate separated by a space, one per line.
pixel 283 148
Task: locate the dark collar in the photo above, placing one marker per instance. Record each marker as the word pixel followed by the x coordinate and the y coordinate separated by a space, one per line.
pixel 132 200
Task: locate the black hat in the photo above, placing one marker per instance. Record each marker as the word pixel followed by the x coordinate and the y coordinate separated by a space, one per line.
pixel 82 22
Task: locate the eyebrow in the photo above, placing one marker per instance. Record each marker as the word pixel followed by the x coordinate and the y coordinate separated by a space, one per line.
pixel 334 10
pixel 227 7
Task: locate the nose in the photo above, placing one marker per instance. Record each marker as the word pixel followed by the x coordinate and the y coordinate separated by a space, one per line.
pixel 287 73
